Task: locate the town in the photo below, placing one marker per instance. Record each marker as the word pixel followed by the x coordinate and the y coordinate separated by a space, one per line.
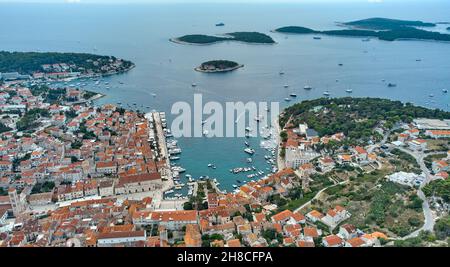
pixel 74 174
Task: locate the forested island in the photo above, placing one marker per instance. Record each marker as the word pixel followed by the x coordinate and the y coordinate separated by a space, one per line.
pixel 355 117
pixel 387 24
pixel 218 66
pixel 40 64
pixel 246 37
pixel 384 29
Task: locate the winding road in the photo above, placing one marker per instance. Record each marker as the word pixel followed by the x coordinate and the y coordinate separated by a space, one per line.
pixel 427 212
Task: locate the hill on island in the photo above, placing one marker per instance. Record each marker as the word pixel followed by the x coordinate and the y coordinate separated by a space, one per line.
pixel 29 62
pixel 384 29
pixel 218 66
pixel 246 37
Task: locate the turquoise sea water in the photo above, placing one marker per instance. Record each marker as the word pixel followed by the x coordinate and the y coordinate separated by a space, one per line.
pixel 140 33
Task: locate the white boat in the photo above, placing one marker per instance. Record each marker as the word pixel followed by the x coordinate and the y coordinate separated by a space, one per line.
pixel 326 93
pixel 248 129
pixel 178 169
pixel 307 87
pixel 194 85
pixel 431 95
pixel 174 151
pixel 250 151
pixel 286 86
pixel 445 91
pixel 168 192
pixel 235 186
pixel 281 73
pixel 317 37
pixel 287 99
pixel 293 95
pixel 349 91
pixel 249 160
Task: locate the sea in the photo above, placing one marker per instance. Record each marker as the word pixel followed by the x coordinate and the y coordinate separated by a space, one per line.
pixel 164 70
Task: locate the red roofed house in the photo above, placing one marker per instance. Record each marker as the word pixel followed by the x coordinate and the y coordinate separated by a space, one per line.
pixel 438 133
pixel 332 241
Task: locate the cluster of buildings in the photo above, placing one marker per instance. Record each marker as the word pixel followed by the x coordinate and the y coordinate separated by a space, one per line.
pixel 58 71
pixel 429 129
pixel 76 151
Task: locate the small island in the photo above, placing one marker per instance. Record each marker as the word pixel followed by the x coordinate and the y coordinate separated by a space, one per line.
pixel 57 66
pixel 246 37
pixel 214 66
pixel 381 28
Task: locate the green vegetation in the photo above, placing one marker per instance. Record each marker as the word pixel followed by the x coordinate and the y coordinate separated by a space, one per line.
pixel 271 234
pixel 438 188
pixel 29 62
pixel 295 29
pixel 3 192
pixel 30 119
pixel 247 37
pixel 442 228
pixel 297 197
pixel 419 241
pixel 406 157
pixel 376 204
pixel 355 117
pixel 4 128
pixel 386 24
pixel 381 200
pixel 218 65
pixel 43 187
pixel 384 29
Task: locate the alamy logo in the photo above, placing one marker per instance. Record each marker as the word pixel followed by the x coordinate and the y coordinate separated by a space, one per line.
pixel 235 119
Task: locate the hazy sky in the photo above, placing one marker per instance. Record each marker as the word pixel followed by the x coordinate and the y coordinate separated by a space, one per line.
pixel 197 1
pixel 212 1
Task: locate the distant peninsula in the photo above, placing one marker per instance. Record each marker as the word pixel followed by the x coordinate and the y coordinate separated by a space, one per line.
pixel 53 65
pixel 381 28
pixel 214 66
pixel 246 37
